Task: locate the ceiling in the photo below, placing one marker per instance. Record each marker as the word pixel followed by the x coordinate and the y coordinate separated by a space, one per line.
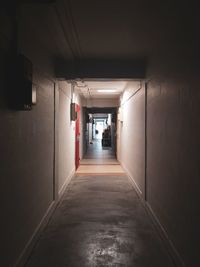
pixel 110 30
pixel 129 29
pixel 90 89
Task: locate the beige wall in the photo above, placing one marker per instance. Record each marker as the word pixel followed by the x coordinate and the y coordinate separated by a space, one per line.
pixel 102 102
pixel 131 130
pixel 28 151
pixel 66 158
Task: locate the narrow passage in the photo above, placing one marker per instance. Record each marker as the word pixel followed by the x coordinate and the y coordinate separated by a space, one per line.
pixel 99 160
pixel 99 222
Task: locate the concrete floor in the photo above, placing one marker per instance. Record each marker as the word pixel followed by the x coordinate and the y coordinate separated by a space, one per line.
pixel 96 151
pixel 99 222
pixel 98 160
pixel 100 168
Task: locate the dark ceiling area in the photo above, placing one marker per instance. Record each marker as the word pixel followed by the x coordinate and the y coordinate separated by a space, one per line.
pixel 98 68
pixel 85 36
pixel 101 110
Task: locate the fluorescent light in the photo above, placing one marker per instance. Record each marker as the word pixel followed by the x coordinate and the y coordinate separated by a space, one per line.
pixel 106 90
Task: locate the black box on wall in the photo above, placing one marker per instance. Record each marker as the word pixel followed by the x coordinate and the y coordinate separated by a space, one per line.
pixel 73 114
pixel 24 74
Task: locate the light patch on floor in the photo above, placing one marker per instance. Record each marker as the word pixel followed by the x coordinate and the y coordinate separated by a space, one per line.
pixel 100 161
pixel 96 169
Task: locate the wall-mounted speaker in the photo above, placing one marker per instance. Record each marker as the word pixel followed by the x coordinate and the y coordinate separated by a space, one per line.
pixel 23 91
pixel 73 113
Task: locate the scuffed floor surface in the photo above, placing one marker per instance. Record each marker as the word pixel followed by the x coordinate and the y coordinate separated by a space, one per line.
pixel 100 222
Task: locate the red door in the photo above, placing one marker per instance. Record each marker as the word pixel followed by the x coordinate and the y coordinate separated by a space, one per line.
pixel 77 136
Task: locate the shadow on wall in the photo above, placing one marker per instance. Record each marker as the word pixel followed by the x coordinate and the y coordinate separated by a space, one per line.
pixel 98 68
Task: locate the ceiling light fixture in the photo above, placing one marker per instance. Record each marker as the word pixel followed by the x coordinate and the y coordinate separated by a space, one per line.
pixel 106 90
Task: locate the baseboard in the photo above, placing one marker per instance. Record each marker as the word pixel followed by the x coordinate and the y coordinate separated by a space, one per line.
pixel 168 244
pixel 139 192
pixel 29 246
pixel 34 238
pixel 67 181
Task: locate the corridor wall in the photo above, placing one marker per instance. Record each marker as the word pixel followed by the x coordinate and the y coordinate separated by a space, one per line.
pixel 132 133
pixel 26 145
pixel 37 146
pixel 173 130
pixel 66 158
pixel 172 146
pixel 66 154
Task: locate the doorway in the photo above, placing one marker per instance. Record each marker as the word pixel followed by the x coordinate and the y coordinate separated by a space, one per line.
pixel 101 130
pixel 100 156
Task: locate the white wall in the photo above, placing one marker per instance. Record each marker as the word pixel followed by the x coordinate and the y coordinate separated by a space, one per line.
pixel 66 158
pixel 132 133
pixel 102 102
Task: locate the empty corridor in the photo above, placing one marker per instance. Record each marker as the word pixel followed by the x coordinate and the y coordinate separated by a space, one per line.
pixel 99 159
pixel 100 221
